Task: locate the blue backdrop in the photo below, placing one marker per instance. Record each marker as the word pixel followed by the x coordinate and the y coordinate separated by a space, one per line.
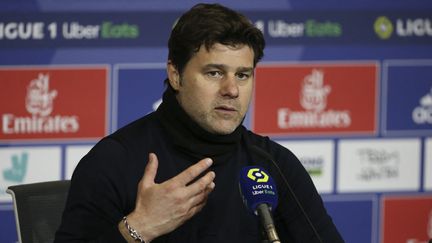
pixel 131 38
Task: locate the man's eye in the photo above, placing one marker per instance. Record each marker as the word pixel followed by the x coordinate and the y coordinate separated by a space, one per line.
pixel 214 74
pixel 243 76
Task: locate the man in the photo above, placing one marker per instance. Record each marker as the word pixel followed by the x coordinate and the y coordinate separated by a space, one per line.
pixel 172 176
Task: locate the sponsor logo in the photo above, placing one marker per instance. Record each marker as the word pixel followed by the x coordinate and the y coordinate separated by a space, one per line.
pixel 53 103
pixel 423 114
pixel 310 28
pixel 257 175
pixel 383 27
pixel 39 99
pixel 306 99
pixel 18 170
pixel 414 27
pixel 402 27
pixel 39 103
pixel 67 30
pixel 313 165
pixel 313 98
pixel 318 162
pixel 24 165
pixel 378 164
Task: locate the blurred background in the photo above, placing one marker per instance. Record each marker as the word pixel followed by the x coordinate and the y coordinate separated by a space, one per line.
pixel 345 85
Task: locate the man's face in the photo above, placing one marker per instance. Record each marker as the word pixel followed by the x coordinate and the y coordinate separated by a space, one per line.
pixel 215 87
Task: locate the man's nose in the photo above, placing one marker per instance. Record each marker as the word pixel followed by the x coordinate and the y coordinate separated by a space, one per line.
pixel 229 87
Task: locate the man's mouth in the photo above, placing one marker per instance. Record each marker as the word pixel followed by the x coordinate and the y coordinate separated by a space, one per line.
pixel 226 108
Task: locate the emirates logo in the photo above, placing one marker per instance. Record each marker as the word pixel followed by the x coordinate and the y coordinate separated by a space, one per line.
pixel 313 99
pixel 39 100
pixel 314 92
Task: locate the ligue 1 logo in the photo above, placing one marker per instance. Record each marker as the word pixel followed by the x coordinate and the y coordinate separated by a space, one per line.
pixel 383 27
pixel 257 187
pixel 257 175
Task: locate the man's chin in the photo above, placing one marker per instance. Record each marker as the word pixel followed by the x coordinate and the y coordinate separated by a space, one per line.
pixel 224 129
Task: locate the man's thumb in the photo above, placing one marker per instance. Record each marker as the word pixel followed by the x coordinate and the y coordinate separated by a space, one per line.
pixel 150 170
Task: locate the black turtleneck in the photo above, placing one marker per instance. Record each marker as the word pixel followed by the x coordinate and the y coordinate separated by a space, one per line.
pixel 104 184
pixel 189 137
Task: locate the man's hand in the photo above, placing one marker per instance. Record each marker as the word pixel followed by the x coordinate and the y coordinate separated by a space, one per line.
pixel 161 208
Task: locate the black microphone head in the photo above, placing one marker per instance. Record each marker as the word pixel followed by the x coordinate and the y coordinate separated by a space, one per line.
pixel 257 187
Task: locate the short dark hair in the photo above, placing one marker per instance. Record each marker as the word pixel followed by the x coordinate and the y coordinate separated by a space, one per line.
pixel 208 24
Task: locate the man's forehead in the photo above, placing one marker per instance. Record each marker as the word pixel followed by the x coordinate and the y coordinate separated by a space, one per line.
pixel 217 45
pixel 240 56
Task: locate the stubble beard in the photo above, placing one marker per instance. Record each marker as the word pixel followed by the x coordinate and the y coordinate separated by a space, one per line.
pixel 218 124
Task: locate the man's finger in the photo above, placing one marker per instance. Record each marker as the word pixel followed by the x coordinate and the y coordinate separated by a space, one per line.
pixel 197 208
pixel 193 171
pixel 150 170
pixel 201 197
pixel 201 185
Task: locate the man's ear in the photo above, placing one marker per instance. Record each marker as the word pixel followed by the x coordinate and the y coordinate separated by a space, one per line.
pixel 173 76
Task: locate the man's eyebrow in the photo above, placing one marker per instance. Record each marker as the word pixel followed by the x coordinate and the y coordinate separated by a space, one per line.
pixel 223 67
pixel 213 65
pixel 245 69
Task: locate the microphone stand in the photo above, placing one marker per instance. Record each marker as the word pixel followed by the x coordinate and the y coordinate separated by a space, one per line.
pixel 268 225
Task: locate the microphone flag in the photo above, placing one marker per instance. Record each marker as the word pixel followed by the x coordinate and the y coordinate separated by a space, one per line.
pixel 257 187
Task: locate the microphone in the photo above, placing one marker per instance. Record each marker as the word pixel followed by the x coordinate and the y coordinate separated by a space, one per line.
pixel 267 156
pixel 260 197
